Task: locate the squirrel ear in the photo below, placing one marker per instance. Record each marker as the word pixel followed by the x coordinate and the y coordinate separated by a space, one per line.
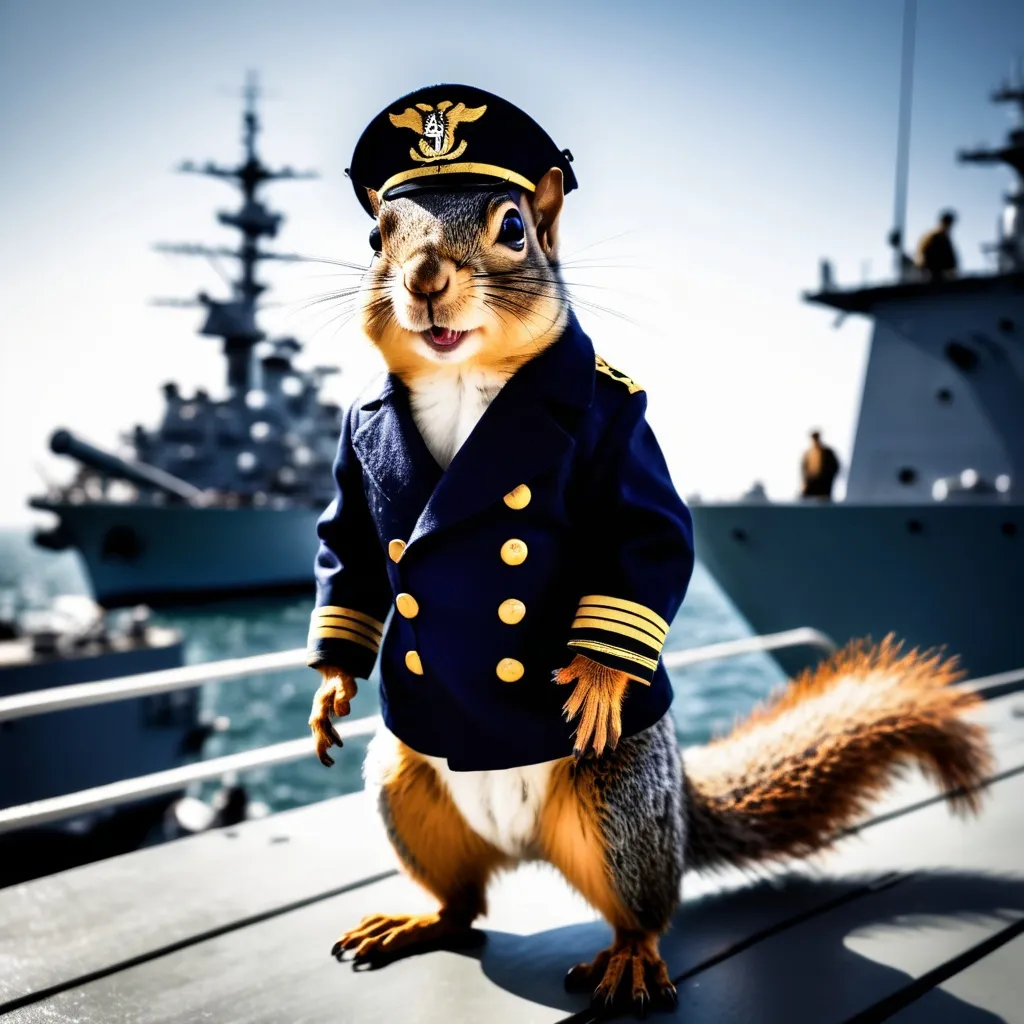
pixel 546 203
pixel 374 201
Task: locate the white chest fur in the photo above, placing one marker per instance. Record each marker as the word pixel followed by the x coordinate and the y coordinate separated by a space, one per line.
pixel 503 807
pixel 448 404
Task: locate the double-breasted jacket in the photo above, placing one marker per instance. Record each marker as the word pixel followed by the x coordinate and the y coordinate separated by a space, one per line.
pixel 555 531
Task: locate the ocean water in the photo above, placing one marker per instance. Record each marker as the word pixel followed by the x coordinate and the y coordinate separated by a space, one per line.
pixel 269 708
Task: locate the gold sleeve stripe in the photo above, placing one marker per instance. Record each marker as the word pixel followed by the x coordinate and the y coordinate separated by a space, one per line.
pixel 629 606
pixel 329 632
pixel 620 652
pixel 344 622
pixel 349 613
pixel 626 618
pixel 615 627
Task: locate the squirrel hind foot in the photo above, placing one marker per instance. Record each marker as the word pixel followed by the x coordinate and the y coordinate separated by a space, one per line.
pixel 381 938
pixel 629 973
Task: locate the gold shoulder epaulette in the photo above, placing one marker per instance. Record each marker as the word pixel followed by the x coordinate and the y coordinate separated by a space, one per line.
pixel 610 371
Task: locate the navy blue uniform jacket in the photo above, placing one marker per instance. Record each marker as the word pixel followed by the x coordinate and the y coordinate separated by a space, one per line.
pixel 555 531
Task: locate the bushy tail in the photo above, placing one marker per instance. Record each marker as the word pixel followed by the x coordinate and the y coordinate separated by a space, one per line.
pixel 811 760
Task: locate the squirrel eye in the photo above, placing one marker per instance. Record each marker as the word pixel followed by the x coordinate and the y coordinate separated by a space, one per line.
pixel 512 232
pixel 375 243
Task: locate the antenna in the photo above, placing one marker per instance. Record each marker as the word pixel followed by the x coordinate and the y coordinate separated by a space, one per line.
pixel 234 319
pixel 903 133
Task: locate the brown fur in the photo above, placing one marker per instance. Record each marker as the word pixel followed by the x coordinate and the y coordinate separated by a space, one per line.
pixel 440 264
pixel 598 694
pixel 572 839
pixel 423 817
pixel 333 697
pixel 454 864
pixel 438 849
pixel 810 761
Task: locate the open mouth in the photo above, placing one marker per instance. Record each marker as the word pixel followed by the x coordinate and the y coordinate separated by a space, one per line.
pixel 443 338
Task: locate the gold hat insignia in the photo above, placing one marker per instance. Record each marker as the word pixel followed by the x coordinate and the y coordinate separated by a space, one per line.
pixel 436 128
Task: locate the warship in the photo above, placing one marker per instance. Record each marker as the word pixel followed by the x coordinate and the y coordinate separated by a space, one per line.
pixel 929 539
pixel 222 498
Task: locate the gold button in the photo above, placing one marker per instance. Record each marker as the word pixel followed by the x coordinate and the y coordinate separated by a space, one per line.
pixel 413 663
pixel 513 552
pixel 518 497
pixel 395 549
pixel 407 606
pixel 509 670
pixel 511 611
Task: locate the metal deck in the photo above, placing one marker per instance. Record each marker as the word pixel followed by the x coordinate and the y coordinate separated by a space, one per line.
pixel 917 917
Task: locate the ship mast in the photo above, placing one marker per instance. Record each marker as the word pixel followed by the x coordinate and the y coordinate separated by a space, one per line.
pixel 903 136
pixel 1010 246
pixel 234 319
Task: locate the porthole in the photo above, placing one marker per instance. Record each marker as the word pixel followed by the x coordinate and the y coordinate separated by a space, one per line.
pixel 963 358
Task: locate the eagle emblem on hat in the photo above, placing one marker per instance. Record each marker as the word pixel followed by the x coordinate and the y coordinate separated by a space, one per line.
pixel 436 128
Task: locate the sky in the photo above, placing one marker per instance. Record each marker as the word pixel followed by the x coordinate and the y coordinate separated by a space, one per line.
pixel 722 148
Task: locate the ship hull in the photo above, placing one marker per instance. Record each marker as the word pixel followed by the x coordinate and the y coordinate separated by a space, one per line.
pixel 936 575
pixel 175 554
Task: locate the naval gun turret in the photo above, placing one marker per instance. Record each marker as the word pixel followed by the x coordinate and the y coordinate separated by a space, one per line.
pixel 63 442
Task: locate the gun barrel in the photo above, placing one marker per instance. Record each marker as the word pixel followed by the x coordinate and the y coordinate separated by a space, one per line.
pixel 63 442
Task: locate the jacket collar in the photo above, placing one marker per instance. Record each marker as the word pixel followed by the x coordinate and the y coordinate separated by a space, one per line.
pixel 528 427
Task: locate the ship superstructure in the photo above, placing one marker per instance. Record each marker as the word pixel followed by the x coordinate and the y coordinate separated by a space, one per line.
pixel 929 541
pixel 222 496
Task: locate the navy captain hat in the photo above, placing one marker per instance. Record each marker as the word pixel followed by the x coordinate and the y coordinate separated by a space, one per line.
pixel 451 136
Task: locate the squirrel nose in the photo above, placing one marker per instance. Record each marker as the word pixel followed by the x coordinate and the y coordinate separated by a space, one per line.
pixel 428 277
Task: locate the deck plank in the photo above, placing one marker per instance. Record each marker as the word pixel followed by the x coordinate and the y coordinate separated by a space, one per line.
pixel 536 928
pixel 84 920
pixel 279 969
pixel 964 883
pixel 993 989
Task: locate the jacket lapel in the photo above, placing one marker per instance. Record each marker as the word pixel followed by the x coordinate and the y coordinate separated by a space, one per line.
pixel 527 428
pixel 394 455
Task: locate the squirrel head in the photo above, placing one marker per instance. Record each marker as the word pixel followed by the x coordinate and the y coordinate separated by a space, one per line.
pixel 465 276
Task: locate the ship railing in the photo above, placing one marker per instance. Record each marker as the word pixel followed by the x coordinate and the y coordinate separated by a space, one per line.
pixel 79 695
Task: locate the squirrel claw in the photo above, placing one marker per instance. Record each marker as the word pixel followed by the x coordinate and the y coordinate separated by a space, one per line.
pixel 578 979
pixel 335 694
pixel 668 997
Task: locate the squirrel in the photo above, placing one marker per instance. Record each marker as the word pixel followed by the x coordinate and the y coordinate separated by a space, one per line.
pixel 570 755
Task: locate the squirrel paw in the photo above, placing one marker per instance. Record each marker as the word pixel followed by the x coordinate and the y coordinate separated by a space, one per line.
pixel 597 700
pixel 629 970
pixel 334 697
pixel 383 935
